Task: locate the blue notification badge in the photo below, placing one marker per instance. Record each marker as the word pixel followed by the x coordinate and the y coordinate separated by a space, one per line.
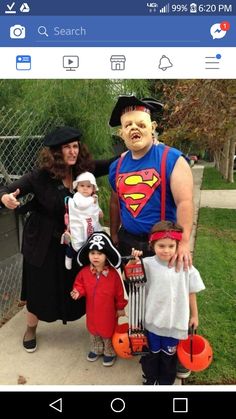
pixel 23 62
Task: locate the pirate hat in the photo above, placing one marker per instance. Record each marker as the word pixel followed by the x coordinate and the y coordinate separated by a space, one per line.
pixel 61 136
pixel 152 102
pixel 157 107
pixel 128 103
pixel 102 242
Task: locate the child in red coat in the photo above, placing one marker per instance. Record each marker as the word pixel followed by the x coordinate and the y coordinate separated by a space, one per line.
pixel 102 286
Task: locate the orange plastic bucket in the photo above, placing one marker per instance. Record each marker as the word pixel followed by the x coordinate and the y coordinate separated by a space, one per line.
pixel 120 341
pixel 195 353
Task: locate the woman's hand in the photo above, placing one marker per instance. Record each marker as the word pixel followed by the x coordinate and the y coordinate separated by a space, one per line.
pixel 74 294
pixel 10 201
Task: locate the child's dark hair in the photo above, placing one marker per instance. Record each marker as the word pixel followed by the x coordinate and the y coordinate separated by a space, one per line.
pixel 165 226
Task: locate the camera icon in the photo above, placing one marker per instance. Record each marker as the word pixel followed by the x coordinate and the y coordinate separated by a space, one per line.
pixel 17 31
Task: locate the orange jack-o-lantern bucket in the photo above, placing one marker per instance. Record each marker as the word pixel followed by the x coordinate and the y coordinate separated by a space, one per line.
pixel 195 353
pixel 120 341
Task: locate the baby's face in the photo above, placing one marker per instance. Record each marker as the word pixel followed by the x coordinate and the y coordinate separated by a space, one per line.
pixel 85 188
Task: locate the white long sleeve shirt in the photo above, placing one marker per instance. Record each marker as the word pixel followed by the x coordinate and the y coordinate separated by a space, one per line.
pixel 167 297
pixel 83 218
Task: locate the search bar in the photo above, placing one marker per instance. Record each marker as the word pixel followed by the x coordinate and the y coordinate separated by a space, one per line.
pixel 62 31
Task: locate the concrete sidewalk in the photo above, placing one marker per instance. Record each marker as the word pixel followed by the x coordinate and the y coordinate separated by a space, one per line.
pixel 61 355
pixel 218 199
pixel 60 358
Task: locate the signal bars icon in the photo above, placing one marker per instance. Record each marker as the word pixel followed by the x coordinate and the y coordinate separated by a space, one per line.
pixel 165 9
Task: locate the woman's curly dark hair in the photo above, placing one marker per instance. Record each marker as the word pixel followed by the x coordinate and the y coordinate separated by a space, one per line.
pixel 51 160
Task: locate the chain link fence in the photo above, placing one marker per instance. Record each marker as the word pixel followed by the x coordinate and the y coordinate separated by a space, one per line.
pixel 19 147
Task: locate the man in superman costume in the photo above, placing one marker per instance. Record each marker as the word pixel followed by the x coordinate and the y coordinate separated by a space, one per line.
pixel 150 183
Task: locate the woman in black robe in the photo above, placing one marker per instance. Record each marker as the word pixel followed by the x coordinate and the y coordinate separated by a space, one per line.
pixel 46 283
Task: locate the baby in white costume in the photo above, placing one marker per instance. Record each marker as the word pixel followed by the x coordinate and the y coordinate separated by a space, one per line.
pixel 84 213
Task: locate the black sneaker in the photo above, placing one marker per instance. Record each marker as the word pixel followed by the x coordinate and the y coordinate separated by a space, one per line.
pixel 150 381
pixel 182 372
pixel 108 361
pixel 92 357
pixel 30 345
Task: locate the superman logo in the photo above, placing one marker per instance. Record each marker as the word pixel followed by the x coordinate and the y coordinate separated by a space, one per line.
pixel 136 188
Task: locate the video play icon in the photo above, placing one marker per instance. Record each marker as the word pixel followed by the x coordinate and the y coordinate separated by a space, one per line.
pixel 70 62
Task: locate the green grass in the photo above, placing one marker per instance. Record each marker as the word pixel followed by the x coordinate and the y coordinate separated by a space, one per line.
pixel 104 194
pixel 212 179
pixel 215 258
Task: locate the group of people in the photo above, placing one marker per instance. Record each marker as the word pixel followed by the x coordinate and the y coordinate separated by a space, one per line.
pixel 70 264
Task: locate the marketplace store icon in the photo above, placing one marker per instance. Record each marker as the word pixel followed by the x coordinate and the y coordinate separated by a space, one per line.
pixel 118 62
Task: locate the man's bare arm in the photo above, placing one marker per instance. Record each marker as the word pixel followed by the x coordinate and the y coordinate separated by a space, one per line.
pixel 181 184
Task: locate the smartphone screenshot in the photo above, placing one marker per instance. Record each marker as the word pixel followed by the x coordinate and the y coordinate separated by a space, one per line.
pixel 117 207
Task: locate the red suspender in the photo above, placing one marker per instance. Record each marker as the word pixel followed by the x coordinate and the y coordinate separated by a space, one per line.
pixel 117 187
pixel 163 182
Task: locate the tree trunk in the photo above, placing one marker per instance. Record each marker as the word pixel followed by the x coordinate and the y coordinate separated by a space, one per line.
pixel 225 160
pixel 230 177
pixel 217 159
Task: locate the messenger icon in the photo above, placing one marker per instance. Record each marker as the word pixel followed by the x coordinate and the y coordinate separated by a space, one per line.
pixel 217 32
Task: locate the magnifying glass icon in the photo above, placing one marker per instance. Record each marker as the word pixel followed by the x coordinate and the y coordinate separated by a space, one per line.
pixel 42 30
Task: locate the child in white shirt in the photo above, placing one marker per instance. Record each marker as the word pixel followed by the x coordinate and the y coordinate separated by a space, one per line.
pixel 171 304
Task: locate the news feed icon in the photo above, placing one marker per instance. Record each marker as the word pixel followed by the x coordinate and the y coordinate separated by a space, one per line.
pixel 23 62
pixel 70 62
pixel 17 32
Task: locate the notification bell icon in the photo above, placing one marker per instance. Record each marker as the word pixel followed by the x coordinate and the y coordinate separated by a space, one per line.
pixel 165 63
